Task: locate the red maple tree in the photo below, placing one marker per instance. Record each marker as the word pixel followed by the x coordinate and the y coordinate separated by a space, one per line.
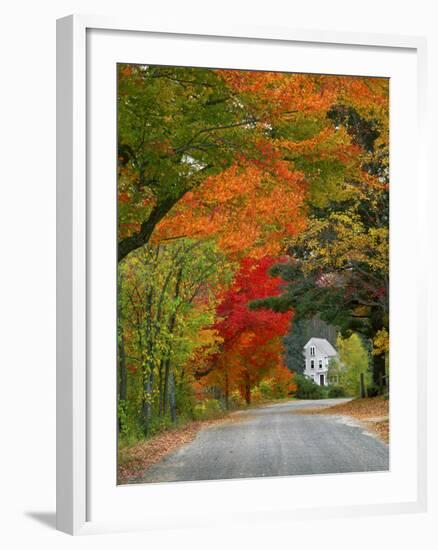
pixel 252 344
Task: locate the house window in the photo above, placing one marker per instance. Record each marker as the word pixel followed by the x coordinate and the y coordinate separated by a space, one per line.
pixel 312 364
pixel 312 350
pixel 320 363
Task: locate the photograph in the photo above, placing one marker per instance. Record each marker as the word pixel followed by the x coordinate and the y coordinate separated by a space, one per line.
pixel 253 274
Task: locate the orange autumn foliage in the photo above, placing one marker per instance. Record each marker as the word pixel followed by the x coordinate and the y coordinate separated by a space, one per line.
pixel 253 206
pixel 279 94
pixel 246 208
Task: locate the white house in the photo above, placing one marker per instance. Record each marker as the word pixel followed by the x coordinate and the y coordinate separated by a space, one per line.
pixel 317 354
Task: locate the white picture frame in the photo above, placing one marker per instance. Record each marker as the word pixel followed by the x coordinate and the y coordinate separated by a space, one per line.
pixel 76 284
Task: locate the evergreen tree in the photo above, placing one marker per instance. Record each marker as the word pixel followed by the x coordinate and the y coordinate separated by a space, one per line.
pixel 294 341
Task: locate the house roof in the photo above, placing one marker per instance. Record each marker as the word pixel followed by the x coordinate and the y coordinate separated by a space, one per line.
pixel 323 345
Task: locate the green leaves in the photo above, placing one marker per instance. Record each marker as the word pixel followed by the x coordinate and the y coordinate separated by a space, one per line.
pixel 353 360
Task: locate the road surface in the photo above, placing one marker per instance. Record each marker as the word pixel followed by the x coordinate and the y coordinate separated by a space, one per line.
pixel 272 441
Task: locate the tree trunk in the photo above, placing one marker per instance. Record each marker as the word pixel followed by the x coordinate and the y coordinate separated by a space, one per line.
pixel 167 370
pixel 148 383
pixel 247 390
pixel 172 398
pixel 166 385
pixel 139 239
pixel 363 390
pixel 122 378
pixel 161 409
pixel 227 392
pixel 379 378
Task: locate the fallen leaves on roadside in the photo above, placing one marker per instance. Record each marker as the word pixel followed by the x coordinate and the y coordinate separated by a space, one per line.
pixel 134 460
pixel 373 412
pixel 380 428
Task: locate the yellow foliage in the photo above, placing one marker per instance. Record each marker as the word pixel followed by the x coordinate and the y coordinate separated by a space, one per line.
pixel 381 342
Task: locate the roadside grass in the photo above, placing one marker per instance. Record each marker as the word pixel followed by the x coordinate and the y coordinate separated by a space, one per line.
pixel 372 412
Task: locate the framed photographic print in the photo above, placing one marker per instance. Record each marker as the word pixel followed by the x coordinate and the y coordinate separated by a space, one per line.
pixel 240 285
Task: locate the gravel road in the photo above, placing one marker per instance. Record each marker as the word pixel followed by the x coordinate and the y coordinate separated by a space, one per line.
pixel 272 441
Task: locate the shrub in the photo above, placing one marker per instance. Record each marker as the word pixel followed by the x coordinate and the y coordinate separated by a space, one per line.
pixel 307 389
pixel 336 391
pixel 266 388
pixel 185 400
pixel 208 409
pixel 281 390
pixel 256 395
pixel 282 382
pixel 236 401
pixel 158 425
pixel 123 417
